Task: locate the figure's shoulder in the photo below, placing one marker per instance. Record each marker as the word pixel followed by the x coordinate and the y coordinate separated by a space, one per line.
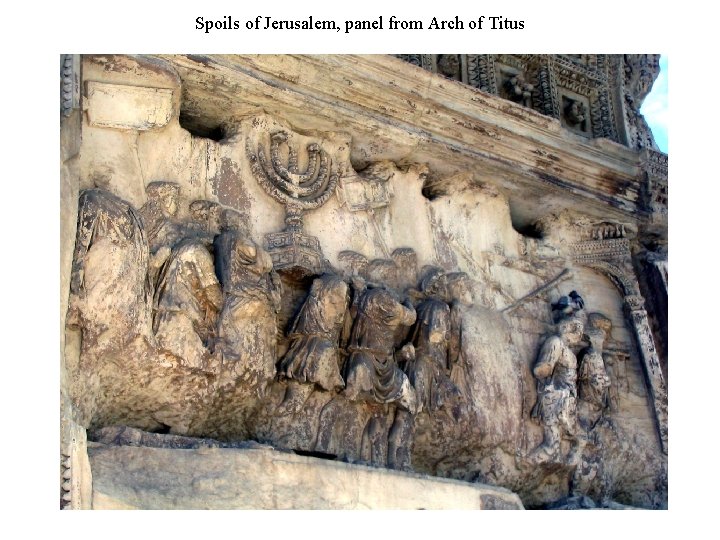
pixel 552 346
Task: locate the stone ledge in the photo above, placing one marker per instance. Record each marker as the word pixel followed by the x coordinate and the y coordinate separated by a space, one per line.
pixel 126 477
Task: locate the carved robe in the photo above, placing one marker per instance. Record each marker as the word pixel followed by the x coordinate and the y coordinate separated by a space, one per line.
pixel 428 371
pixel 247 326
pixel 593 385
pixel 556 371
pixel 313 352
pixel 371 368
pixel 187 300
pixel 109 289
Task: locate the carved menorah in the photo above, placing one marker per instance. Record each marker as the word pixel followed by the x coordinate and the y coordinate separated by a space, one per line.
pixel 299 192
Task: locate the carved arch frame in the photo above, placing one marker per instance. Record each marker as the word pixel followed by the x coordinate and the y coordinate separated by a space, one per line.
pixel 609 257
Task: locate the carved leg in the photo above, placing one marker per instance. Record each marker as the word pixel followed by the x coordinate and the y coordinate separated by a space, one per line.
pixel 375 441
pixel 340 429
pixel 296 395
pixel 400 441
pixel 329 417
pixel 549 450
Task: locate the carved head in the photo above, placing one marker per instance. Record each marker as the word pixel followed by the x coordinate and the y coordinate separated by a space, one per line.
pixel 382 271
pixel 406 261
pixel 596 337
pixel 207 213
pixel 575 112
pixel 598 328
pixel 165 195
pixel 332 295
pixel 449 65
pixel 459 287
pixel 570 330
pixel 232 220
pixel 433 282
pixel 354 263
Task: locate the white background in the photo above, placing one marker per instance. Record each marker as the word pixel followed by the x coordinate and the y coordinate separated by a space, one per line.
pixel 35 35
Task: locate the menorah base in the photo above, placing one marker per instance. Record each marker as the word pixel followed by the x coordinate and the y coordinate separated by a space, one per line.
pixel 295 253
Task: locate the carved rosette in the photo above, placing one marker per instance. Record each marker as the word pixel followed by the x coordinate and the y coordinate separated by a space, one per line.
pixel 293 251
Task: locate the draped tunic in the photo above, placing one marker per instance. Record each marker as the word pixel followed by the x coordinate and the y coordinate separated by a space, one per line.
pixel 371 369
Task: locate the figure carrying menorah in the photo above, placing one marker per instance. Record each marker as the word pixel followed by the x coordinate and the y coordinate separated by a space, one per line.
pixel 291 250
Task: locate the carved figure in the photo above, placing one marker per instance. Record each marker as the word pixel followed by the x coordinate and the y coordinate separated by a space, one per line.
pixel 313 353
pixel 458 291
pixel 429 371
pixel 449 65
pixel 206 219
pixel 109 291
pixel 371 369
pixel 247 326
pixel 556 373
pixel 575 114
pixel 158 215
pixel 187 300
pixel 593 379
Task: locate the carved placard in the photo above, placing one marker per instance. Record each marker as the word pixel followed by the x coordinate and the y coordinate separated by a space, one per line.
pixel 128 107
pixel 360 194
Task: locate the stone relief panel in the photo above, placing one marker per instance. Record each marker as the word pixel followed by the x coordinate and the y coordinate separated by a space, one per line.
pixel 271 292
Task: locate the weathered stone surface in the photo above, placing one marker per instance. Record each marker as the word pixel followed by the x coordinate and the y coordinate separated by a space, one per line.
pixel 128 107
pixel 127 477
pixel 370 275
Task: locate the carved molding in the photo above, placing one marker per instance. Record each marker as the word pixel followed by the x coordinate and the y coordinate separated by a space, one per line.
pixel 655 183
pixel 481 72
pixel 638 317
pixel 553 78
pixel 605 250
pixel 69 83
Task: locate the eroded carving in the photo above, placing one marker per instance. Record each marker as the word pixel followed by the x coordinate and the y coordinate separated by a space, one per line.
pixel 593 379
pixel 299 192
pixel 159 215
pixel 371 371
pixel 518 90
pixel 449 66
pixel 429 369
pixel 109 288
pixel 313 355
pixel 556 373
pixel 575 114
pixel 187 301
pixel 435 380
pixel 247 325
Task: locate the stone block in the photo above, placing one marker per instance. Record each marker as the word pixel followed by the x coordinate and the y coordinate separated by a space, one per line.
pixel 128 107
pixel 127 477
